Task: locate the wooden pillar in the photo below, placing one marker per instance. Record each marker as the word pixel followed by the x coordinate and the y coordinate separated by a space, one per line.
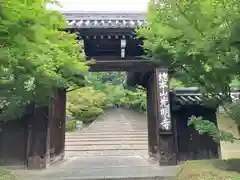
pixel 152 117
pixel 166 139
pixel 62 96
pixel 57 126
pixel 38 144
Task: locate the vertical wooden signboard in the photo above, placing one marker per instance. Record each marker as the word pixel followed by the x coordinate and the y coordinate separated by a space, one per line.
pixel 166 141
pixel 163 101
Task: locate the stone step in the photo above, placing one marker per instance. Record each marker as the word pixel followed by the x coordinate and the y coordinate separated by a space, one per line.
pixel 103 132
pixel 112 124
pixel 105 147
pixel 117 120
pixel 123 123
pixel 105 136
pixel 110 161
pixel 118 173
pixel 118 126
pixel 87 143
pixel 118 178
pixel 109 139
pixel 110 173
pixel 111 130
pixel 106 153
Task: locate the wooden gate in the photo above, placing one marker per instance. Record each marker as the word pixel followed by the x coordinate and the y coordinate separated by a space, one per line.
pixel 57 126
pixel 13 142
pixel 192 145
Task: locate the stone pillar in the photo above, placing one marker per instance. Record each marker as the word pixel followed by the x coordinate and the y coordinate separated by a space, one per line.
pixel 166 139
pixel 152 116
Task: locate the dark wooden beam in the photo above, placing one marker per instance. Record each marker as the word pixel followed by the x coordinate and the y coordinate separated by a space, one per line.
pixel 101 31
pixel 123 65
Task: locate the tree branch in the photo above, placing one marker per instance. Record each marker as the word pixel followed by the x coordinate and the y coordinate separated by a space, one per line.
pixel 189 21
pixel 73 89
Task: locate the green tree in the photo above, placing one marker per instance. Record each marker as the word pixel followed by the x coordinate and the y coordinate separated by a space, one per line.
pixel 113 77
pixel 199 39
pixel 36 58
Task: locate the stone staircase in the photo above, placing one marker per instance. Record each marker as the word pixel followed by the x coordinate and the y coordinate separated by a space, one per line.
pixel 115 147
pixel 112 134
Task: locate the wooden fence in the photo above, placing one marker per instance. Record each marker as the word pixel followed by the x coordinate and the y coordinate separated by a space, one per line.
pixel 36 139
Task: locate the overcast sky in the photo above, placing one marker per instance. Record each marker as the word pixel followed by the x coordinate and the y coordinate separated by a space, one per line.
pixel 102 5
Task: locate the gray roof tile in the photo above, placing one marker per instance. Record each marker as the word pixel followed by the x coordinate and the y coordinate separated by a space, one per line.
pixel 105 19
pixel 193 96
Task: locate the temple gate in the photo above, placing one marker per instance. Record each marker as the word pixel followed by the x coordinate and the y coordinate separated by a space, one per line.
pixel 110 39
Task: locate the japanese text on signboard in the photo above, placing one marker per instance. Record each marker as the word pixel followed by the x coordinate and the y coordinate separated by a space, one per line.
pixel 165 123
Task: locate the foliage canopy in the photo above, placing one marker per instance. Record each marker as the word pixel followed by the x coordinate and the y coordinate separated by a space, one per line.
pixel 199 40
pixel 35 56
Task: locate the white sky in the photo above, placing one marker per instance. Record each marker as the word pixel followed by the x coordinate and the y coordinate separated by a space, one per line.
pixel 102 5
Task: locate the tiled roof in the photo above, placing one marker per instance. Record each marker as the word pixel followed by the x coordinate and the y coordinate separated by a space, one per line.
pixel 193 96
pixel 105 19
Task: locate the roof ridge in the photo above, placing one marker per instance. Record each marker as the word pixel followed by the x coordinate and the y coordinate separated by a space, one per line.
pixel 95 18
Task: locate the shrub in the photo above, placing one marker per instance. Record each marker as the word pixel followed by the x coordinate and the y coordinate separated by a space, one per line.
pixel 135 100
pixel 118 95
pixel 114 94
pixel 233 112
pixel 86 103
pixel 70 125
